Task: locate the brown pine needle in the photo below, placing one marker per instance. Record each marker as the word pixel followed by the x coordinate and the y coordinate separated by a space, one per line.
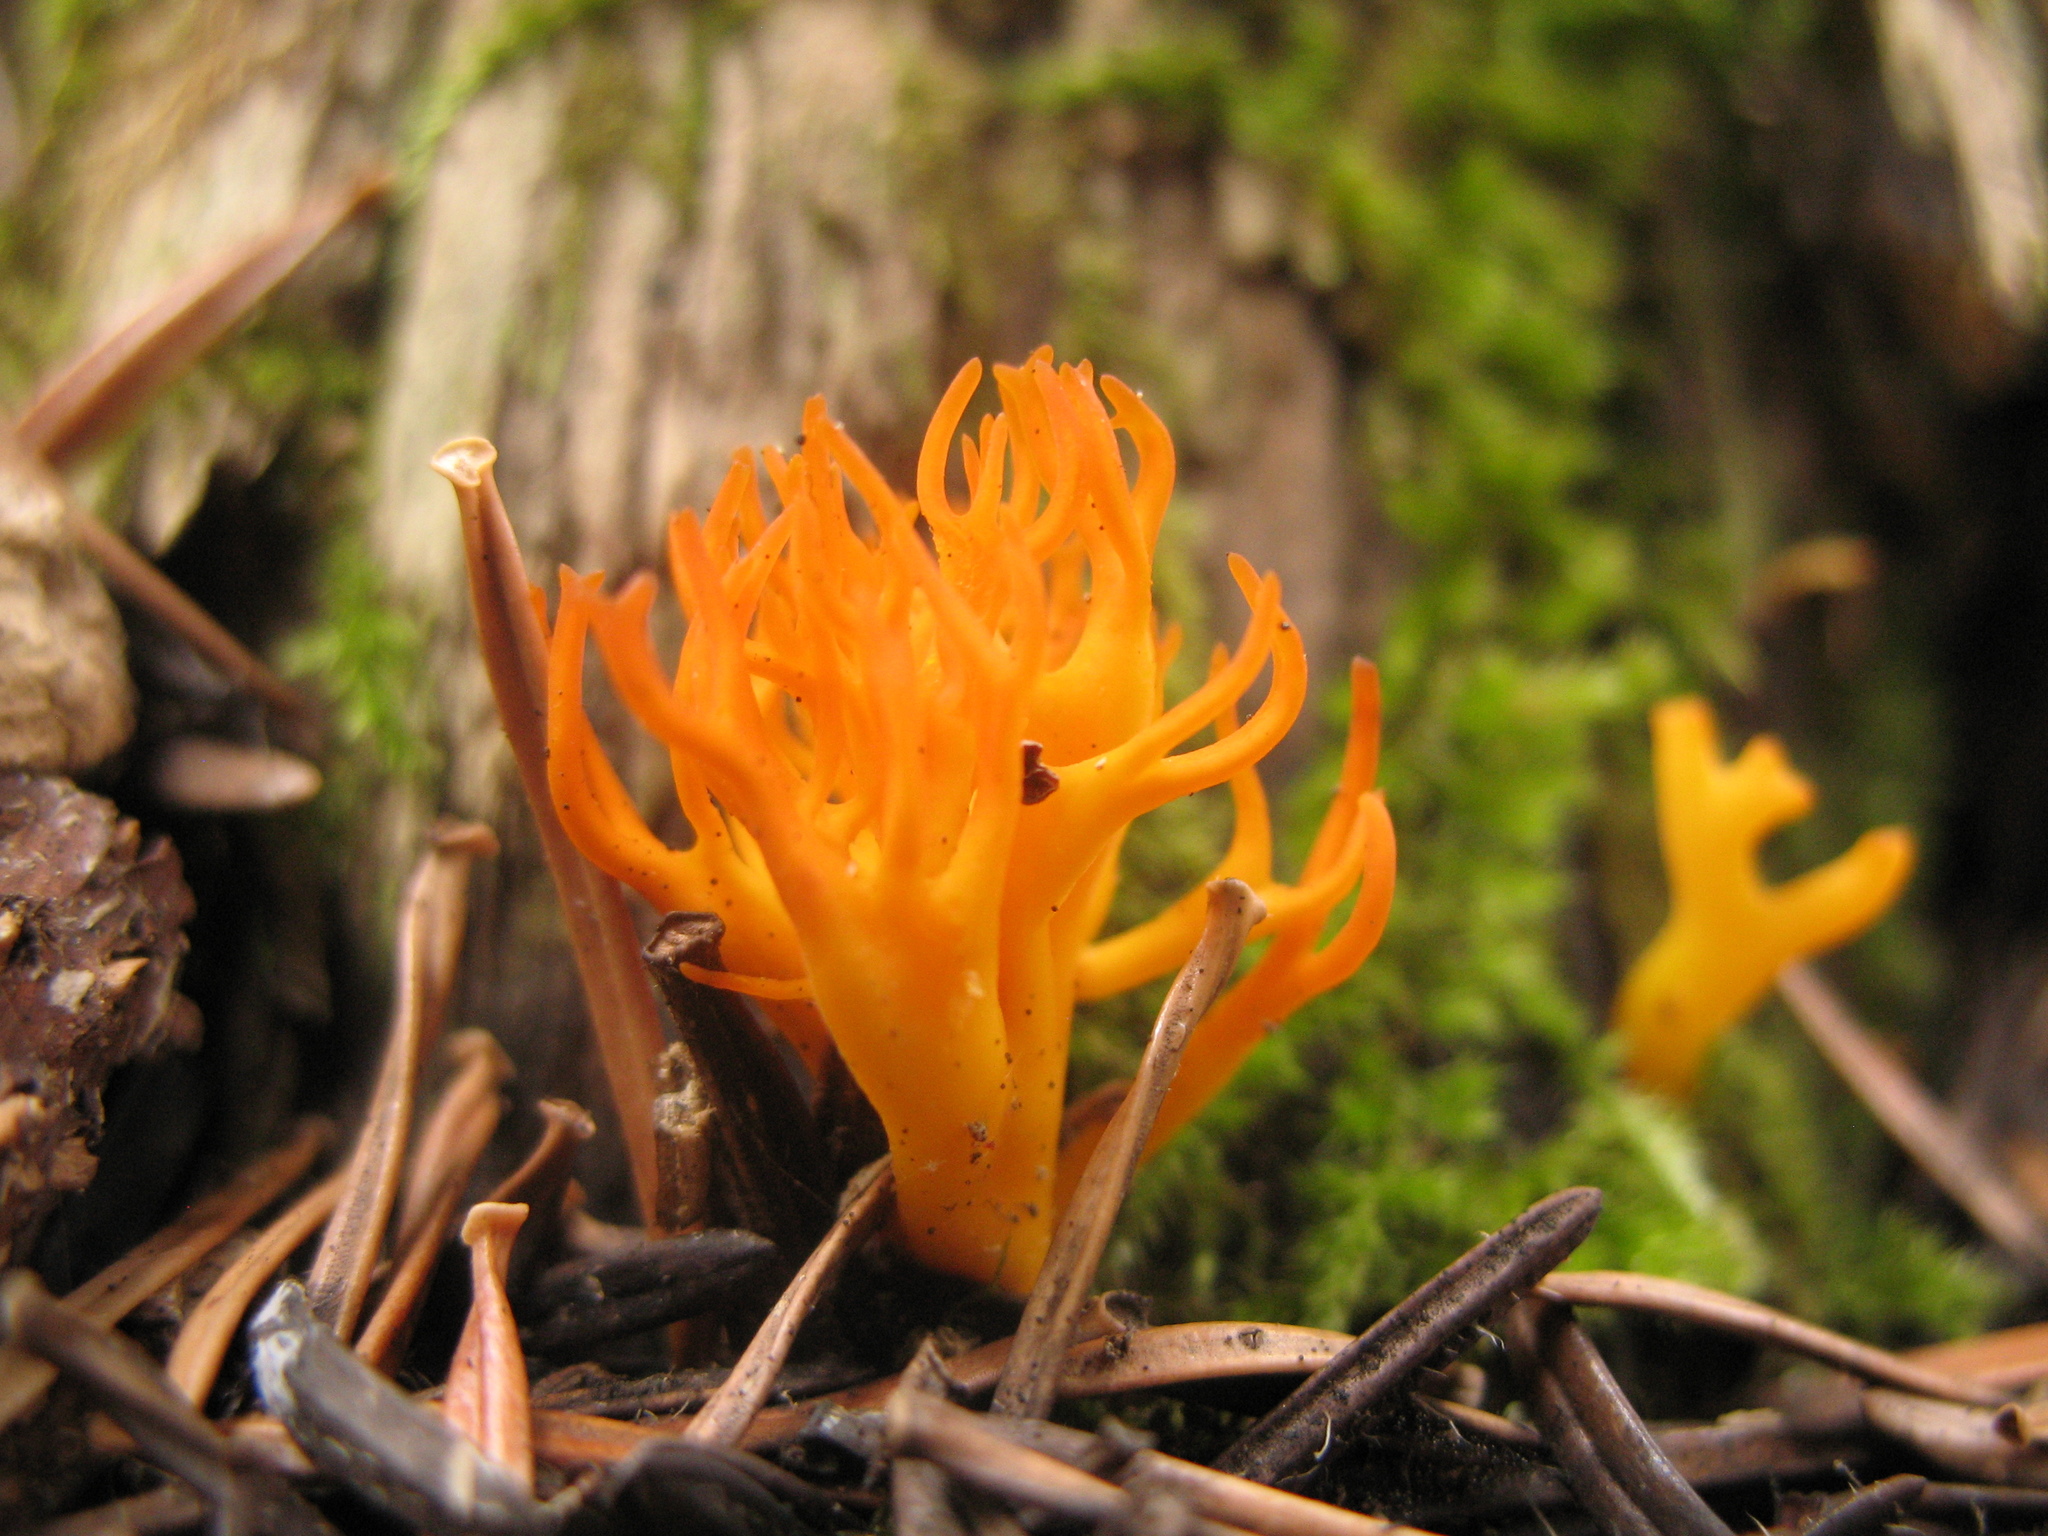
pixel 430 926
pixel 725 1418
pixel 1928 1132
pixel 1031 1376
pixel 150 1266
pixel 622 1010
pixel 209 1328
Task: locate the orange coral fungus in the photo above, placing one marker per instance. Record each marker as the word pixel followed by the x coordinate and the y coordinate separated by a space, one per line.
pixel 909 767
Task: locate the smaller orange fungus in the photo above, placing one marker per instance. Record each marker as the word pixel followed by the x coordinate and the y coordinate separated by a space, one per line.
pixel 1729 934
pixel 909 756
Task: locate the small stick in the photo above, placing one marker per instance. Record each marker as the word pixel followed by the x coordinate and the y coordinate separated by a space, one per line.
pixel 430 928
pixel 154 1263
pixel 1217 1495
pixel 136 577
pixel 1030 1376
pixel 600 928
pixel 1287 1440
pixel 354 1424
pixel 2003 1360
pixel 209 1328
pixel 1000 1455
pixel 1929 1134
pixel 732 1407
pixel 461 1128
pixel 1689 1303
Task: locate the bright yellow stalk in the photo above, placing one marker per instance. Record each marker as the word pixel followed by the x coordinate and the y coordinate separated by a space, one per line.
pixel 1729 934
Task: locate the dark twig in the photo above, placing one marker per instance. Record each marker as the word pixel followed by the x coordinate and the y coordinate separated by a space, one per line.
pixel 725 1418
pixel 1929 1134
pixel 1325 1406
pixel 1870 1508
pixel 769 1173
pixel 542 1180
pixel 1976 1443
pixel 600 928
pixel 430 925
pixel 98 394
pixel 1029 1461
pixel 1030 1377
pixel 1685 1302
pixel 464 1118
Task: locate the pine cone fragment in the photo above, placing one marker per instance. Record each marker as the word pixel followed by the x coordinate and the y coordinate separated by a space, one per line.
pixel 91 937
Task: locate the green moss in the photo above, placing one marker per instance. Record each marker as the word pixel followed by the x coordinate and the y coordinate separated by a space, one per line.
pixel 366 655
pixel 1490 172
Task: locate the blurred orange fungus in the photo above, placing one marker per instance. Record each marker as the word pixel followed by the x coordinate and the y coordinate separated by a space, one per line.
pixel 909 758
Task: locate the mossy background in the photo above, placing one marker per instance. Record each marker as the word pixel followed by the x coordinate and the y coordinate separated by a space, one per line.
pixel 1606 320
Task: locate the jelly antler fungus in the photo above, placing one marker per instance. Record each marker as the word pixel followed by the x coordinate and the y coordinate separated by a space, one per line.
pixel 1729 934
pixel 909 767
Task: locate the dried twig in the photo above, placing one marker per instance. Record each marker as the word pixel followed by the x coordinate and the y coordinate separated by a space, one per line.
pixel 732 1407
pixel 541 1181
pixel 1928 1133
pixel 1686 1302
pixel 600 929
pixel 1016 1458
pixel 1976 1443
pixel 173 1507
pixel 153 1264
pixel 1030 1376
pixel 430 928
pixel 464 1118
pixel 357 1426
pixel 2003 1360
pixel 769 1171
pixel 1286 1440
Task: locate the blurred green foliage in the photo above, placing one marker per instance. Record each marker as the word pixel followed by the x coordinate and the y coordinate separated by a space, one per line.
pixel 1494 173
